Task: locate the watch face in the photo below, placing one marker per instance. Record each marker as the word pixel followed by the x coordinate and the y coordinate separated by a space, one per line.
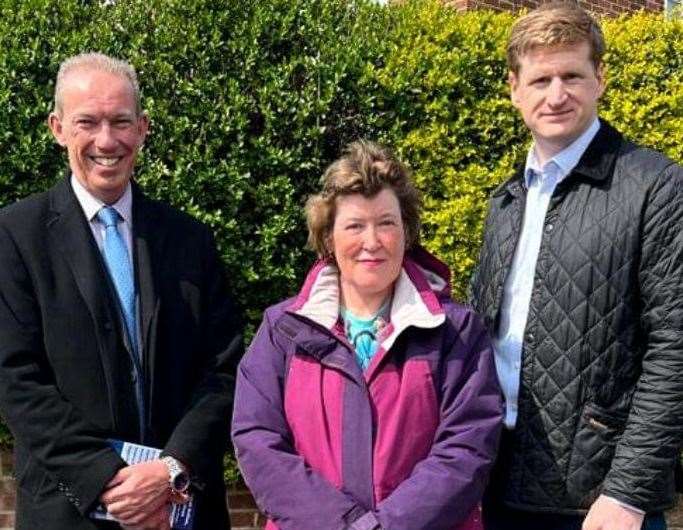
pixel 181 482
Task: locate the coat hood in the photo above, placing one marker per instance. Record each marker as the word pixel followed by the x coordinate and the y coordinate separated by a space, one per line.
pixel 420 291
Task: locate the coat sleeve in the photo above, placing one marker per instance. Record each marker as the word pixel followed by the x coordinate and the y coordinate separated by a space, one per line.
pixel 285 488
pixel 201 437
pixel 447 485
pixel 59 439
pixel 641 473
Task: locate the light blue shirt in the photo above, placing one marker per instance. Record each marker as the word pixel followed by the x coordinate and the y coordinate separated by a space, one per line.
pixel 509 337
pixel 91 205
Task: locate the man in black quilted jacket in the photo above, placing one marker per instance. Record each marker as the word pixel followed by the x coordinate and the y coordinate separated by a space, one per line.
pixel 581 282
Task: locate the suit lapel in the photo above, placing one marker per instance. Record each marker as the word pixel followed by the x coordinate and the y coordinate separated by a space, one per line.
pixel 69 232
pixel 149 236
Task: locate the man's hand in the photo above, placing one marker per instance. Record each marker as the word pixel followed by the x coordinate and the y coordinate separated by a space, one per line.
pixel 138 493
pixel 159 520
pixel 607 514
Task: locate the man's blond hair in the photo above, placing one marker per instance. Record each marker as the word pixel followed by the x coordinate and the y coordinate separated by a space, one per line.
pixel 98 62
pixel 555 24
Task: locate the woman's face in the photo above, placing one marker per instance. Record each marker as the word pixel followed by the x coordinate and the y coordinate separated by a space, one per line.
pixel 368 242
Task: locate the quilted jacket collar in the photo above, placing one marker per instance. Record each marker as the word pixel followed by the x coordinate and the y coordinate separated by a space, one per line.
pixel 597 163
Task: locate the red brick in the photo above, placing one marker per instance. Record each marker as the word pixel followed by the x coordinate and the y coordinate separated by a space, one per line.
pixel 601 7
pixel 674 518
pixel 6 463
pixel 6 520
pixel 243 518
pixel 241 500
pixel 7 495
pixel 7 501
pixel 7 486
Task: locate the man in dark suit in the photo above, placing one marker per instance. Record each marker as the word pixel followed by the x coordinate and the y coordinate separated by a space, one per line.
pixel 115 323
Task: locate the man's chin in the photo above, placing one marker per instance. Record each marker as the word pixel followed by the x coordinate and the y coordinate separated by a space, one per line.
pixel 109 177
pixel 108 188
pixel 559 135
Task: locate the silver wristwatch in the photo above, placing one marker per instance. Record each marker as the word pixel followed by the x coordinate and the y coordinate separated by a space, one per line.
pixel 178 478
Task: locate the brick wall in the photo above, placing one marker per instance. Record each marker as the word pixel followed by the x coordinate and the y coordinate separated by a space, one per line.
pixel 603 7
pixel 243 511
pixel 6 491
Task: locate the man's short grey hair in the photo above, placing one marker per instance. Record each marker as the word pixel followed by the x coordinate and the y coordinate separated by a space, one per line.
pixel 98 62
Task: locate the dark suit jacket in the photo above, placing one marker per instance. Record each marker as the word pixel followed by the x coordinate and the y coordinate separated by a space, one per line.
pixel 65 374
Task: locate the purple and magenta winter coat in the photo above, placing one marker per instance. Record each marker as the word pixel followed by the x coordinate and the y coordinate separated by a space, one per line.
pixel 405 445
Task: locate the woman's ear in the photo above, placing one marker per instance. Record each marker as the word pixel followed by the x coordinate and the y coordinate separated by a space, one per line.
pixel 329 246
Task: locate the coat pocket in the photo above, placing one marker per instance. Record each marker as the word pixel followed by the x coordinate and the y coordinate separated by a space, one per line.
pixel 597 434
pixel 608 424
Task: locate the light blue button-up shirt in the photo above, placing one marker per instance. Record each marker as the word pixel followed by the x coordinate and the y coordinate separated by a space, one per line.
pixel 509 337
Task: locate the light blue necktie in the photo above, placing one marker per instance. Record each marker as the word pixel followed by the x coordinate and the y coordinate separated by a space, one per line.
pixel 120 270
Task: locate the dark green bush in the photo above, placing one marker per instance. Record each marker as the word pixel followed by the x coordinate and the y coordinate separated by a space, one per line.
pixel 250 100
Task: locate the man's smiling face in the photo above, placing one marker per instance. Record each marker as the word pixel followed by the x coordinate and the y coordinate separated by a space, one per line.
pixel 100 127
pixel 556 90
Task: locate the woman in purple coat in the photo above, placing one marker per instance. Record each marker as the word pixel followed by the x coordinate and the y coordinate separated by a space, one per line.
pixel 370 400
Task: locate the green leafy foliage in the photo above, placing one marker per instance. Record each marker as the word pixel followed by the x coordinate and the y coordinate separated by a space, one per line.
pixel 442 102
pixel 439 95
pixel 250 101
pixel 644 97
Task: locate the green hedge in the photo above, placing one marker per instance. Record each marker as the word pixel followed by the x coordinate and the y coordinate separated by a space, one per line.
pixel 441 98
pixel 250 101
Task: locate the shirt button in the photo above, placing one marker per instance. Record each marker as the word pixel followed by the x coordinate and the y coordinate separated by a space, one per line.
pixel 549 227
pixel 529 336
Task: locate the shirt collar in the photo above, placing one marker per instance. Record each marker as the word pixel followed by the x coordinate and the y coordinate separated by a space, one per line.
pixel 564 161
pixel 91 204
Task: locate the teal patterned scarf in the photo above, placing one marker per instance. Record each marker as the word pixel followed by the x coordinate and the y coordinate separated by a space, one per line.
pixel 362 332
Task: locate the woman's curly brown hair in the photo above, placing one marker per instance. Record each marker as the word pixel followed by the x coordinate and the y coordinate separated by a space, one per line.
pixel 366 168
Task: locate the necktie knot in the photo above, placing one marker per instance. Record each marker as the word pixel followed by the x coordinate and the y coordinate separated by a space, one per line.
pixel 108 216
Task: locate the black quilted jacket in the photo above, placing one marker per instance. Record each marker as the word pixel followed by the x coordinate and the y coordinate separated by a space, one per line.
pixel 601 397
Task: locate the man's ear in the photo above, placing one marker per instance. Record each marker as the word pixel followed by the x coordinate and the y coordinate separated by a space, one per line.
pixel 601 74
pixel 54 122
pixel 514 83
pixel 143 127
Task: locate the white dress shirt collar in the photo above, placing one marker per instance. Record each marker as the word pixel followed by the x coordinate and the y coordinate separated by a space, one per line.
pixel 91 204
pixel 565 160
